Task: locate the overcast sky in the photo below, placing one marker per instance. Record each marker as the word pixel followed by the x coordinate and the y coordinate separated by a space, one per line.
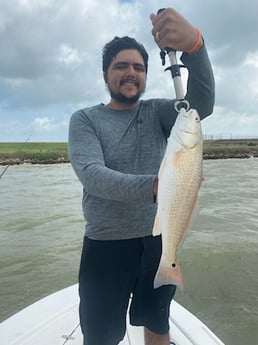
pixel 50 61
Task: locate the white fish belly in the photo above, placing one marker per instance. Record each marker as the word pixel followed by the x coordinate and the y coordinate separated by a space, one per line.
pixel 179 182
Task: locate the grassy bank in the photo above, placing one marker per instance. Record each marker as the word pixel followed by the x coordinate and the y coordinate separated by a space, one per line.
pixel 230 148
pixel 47 153
pixel 15 153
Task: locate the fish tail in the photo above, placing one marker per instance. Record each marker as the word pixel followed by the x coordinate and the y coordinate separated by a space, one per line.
pixel 168 274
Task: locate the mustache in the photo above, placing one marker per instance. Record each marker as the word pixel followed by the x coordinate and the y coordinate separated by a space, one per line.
pixel 129 80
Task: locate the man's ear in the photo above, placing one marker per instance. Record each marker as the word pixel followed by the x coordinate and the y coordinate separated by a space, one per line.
pixel 105 77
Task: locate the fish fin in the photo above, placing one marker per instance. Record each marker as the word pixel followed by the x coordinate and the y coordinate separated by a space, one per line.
pixel 167 274
pixel 190 222
pixel 156 228
pixel 162 167
pixel 176 158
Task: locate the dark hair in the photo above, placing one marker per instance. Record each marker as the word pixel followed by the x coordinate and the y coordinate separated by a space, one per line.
pixel 112 48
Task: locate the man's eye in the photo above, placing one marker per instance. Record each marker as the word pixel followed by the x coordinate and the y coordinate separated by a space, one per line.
pixel 136 67
pixel 121 66
pixel 139 68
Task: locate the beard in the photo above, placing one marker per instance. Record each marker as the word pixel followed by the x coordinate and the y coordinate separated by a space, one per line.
pixel 119 97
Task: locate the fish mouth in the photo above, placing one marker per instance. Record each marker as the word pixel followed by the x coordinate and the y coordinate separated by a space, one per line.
pixel 192 115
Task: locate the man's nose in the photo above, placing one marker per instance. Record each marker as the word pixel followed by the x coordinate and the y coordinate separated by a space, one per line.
pixel 130 70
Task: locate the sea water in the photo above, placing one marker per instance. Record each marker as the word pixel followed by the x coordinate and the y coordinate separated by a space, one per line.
pixel 41 232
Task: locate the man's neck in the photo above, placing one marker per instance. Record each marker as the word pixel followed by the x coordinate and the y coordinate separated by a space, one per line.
pixel 113 104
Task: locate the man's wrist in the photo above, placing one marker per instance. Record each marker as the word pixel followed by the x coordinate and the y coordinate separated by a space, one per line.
pixel 198 43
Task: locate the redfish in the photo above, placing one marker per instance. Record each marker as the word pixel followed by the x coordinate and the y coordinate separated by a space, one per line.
pixel 179 179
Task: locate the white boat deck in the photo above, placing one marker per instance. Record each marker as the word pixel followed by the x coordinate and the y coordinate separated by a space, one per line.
pixel 54 320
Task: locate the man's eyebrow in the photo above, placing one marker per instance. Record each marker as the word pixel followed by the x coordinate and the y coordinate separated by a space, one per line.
pixel 121 63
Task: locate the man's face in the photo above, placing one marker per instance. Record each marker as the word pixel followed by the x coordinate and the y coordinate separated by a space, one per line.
pixel 126 77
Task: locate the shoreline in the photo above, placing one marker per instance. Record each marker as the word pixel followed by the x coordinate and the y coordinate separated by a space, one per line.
pixel 18 161
pixel 56 153
pixel 62 160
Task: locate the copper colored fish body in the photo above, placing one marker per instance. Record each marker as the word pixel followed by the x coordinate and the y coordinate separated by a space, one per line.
pixel 180 177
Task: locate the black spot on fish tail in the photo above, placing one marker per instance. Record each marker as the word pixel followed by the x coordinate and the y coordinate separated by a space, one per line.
pixel 173 265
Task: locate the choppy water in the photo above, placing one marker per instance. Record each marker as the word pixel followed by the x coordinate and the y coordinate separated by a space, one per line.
pixel 41 229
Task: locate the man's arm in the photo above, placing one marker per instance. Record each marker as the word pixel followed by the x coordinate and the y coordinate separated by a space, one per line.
pixel 200 84
pixel 87 160
pixel 172 30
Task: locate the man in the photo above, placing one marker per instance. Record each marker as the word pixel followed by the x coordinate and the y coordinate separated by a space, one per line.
pixel 115 150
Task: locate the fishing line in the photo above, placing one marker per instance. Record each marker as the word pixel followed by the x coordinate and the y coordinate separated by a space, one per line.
pixel 5 169
pixel 70 336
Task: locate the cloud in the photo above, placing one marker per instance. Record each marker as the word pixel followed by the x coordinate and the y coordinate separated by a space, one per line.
pixel 252 59
pixel 50 61
pixel 44 124
pixel 69 56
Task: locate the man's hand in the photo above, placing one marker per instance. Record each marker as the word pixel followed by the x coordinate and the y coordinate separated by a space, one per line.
pixel 172 30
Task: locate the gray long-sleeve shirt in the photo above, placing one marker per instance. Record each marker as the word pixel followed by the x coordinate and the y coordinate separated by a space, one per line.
pixel 116 155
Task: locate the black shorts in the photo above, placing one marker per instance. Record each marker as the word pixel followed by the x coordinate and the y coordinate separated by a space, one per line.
pixel 111 272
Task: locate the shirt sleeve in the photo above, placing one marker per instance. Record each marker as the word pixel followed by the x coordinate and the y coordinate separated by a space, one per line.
pixel 86 157
pixel 200 84
pixel 200 90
